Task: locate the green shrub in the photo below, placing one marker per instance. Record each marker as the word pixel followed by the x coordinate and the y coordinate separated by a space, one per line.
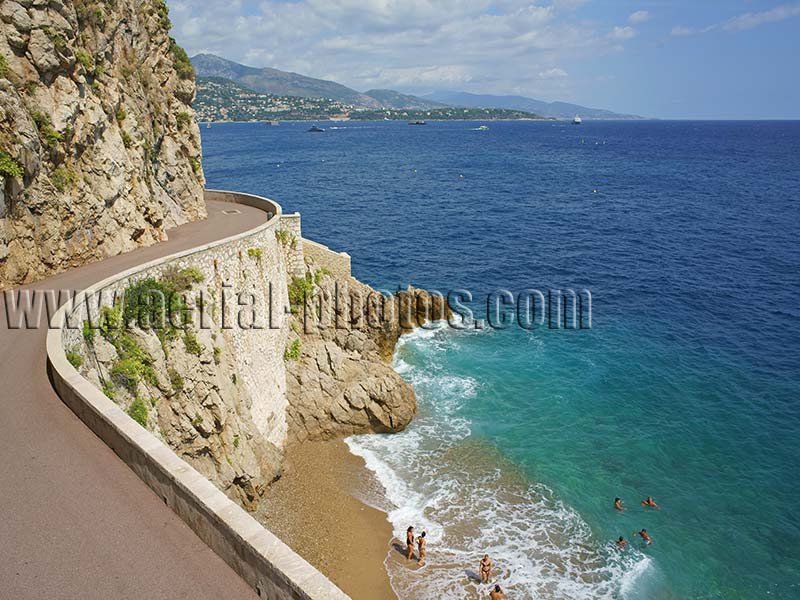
pixel 162 11
pixel 236 441
pixel 75 359
pixel 126 139
pixel 191 343
pixel 63 179
pixel 3 66
pixel 86 60
pixel 176 380
pixel 157 304
pixel 127 372
pixel 196 166
pixel 198 420
pixel 50 136
pixel 217 355
pixel 256 253
pixel 300 289
pixel 183 65
pixel 9 167
pixel 183 119
pixel 88 332
pixel 121 114
pixel 109 391
pixel 181 280
pixel 110 322
pixel 292 351
pixel 286 238
pixel 138 412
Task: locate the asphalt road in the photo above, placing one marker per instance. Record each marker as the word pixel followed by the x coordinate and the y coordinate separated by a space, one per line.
pixel 75 522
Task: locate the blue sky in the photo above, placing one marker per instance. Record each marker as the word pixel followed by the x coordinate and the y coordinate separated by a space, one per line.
pixel 659 58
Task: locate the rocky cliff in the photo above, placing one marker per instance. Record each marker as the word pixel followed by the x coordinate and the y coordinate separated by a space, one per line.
pixel 99 150
pixel 339 380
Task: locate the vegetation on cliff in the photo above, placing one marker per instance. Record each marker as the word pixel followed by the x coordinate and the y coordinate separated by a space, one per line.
pixel 95 155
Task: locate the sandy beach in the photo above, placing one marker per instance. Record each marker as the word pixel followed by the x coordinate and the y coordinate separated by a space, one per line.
pixel 314 509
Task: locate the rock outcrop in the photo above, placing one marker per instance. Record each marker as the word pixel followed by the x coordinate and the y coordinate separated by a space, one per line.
pixel 183 384
pixel 99 148
pixel 339 381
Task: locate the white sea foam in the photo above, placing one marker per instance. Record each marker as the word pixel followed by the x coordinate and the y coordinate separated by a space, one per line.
pixel 436 478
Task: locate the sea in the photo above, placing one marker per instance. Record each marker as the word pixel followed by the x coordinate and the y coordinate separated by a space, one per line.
pixel 683 239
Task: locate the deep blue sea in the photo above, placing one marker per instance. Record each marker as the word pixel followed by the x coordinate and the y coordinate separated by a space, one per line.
pixel 685 388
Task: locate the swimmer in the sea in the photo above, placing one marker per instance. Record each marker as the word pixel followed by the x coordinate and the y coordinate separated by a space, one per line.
pixel 486 568
pixel 421 543
pixel 497 593
pixel 650 503
pixel 618 504
pixel 410 543
pixel 621 543
pixel 645 537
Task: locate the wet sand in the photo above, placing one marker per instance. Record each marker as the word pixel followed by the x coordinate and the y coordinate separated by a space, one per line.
pixel 313 508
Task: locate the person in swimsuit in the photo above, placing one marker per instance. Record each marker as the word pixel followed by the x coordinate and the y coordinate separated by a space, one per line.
pixel 645 537
pixel 421 543
pixel 486 568
pixel 650 503
pixel 409 543
pixel 618 504
pixel 497 593
pixel 621 543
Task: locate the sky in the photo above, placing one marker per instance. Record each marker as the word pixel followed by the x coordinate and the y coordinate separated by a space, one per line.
pixel 704 59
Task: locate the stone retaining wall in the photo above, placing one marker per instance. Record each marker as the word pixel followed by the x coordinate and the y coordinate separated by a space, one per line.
pixel 338 263
pixel 261 559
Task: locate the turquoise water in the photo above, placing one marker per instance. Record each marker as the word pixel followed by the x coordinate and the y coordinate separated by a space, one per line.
pixel 684 389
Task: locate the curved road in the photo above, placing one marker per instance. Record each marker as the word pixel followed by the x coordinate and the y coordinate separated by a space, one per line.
pixel 75 522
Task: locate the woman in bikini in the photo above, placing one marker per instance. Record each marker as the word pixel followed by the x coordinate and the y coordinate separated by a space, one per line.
pixel 486 568
pixel 421 543
pixel 409 543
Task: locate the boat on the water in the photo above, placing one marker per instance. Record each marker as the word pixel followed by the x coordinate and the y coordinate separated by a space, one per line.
pixel 417 123
pixel 483 128
pixel 315 129
pixel 577 120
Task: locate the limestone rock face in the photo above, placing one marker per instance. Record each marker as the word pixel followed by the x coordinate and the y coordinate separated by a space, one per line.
pixel 99 148
pixel 194 402
pixel 341 383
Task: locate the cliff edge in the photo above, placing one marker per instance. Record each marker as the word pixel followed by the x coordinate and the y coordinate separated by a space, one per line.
pixel 99 150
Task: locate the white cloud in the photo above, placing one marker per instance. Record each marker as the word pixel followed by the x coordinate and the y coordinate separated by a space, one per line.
pixel 622 33
pixel 554 73
pixel 640 16
pixel 744 21
pixel 680 31
pixel 415 45
pixel 750 20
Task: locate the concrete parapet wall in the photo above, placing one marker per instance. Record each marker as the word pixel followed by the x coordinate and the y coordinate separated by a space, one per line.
pixel 268 565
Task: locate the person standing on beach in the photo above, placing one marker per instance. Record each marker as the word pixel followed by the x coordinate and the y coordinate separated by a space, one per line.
pixel 486 568
pixel 421 543
pixel 618 504
pixel 410 543
pixel 497 593
pixel 645 537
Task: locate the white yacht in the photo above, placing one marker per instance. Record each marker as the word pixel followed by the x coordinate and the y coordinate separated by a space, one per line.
pixel 577 120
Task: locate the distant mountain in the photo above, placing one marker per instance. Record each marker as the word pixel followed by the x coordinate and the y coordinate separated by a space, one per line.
pixel 279 83
pixel 559 110
pixel 396 100
pixel 220 99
